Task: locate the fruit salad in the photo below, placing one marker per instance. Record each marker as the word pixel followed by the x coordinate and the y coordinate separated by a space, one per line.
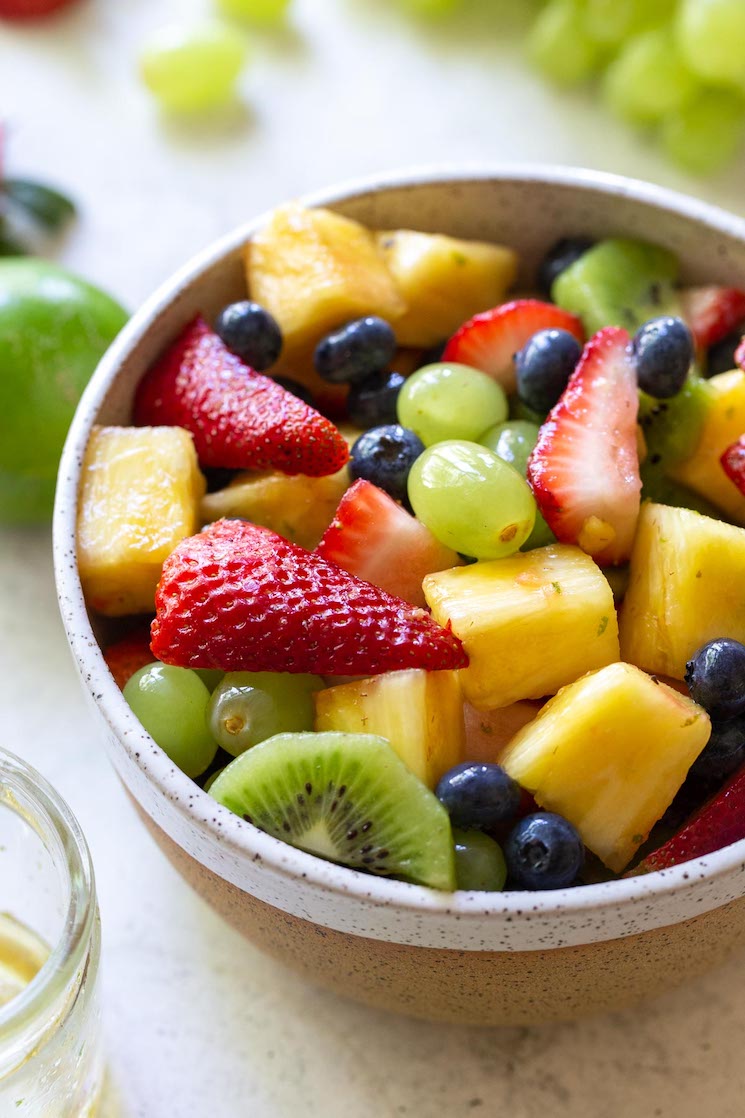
pixel 433 579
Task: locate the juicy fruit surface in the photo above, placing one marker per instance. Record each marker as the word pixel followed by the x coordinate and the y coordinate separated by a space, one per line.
pixel 443 281
pixel 448 401
pixel 171 703
pixel 712 312
pixel 544 851
pixel 249 707
pixel 127 655
pixel 139 497
pixel 239 419
pixel 240 598
pixel 54 328
pixel 684 588
pixel 530 624
pixel 479 862
pixel 584 469
pixel 193 67
pixel 419 713
pixel 372 537
pixel 490 340
pixel 608 753
pixel 344 797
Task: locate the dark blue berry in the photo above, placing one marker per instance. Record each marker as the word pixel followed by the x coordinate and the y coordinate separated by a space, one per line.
pixel 720 357
pixel 250 332
pixel 356 351
pixel 723 753
pixel 544 365
pixel 558 258
pixel 543 851
pixel 716 678
pixel 663 351
pixel 479 795
pixel 384 456
pixel 373 402
pixel 297 389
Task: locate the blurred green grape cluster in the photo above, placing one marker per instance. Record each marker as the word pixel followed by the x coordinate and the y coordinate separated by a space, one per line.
pixel 674 67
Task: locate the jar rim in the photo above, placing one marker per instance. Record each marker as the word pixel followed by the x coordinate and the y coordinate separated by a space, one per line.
pixel 68 954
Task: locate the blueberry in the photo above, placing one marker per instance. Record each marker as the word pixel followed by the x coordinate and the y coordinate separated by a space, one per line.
pixel 716 678
pixel 373 401
pixel 721 356
pixel 250 332
pixel 723 753
pixel 297 389
pixel 356 351
pixel 384 456
pixel 663 350
pixel 479 795
pixel 544 851
pixel 544 365
pixel 558 258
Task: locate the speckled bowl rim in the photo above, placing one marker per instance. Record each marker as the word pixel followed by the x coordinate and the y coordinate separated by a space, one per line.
pixel 243 839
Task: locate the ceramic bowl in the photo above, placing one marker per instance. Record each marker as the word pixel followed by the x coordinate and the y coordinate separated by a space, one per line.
pixel 508 958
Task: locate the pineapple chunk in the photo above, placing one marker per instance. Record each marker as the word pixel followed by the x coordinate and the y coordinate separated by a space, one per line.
pixel 139 497
pixel 297 507
pixel 444 281
pixel 609 752
pixel 724 422
pixel 529 623
pixel 315 270
pixel 420 713
pixel 685 588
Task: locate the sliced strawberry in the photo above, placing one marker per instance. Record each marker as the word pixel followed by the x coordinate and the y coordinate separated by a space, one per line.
pixel 489 341
pixel 372 537
pixel 30 9
pixel 241 598
pixel 584 470
pixel 712 312
pixel 128 655
pixel 240 419
pixel 733 463
pixel 718 823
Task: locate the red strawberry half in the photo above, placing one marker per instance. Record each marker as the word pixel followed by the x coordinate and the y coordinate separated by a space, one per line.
pixel 239 419
pixel 733 463
pixel 712 312
pixel 489 341
pixel 128 655
pixel 241 598
pixel 584 469
pixel 372 537
pixel 718 823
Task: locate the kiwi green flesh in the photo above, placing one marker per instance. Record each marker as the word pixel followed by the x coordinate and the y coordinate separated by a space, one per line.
pixel 672 428
pixel 619 282
pixel 347 798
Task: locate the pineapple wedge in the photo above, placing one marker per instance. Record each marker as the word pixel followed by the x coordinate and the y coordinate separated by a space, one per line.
pixel 297 507
pixel 139 497
pixel 315 270
pixel 444 281
pixel 724 422
pixel 609 752
pixel 529 623
pixel 420 713
pixel 685 588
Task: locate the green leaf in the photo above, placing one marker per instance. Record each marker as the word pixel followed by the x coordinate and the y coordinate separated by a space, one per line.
pixel 46 206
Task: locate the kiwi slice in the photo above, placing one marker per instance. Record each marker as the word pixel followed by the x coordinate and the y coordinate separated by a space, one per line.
pixel 619 282
pixel 347 798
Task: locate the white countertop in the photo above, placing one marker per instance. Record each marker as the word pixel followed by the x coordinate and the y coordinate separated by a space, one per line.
pixel 198 1023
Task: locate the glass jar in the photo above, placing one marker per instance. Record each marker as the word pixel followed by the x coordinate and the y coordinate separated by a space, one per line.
pixel 50 1025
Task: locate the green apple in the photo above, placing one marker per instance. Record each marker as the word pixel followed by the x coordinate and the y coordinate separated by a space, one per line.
pixel 54 329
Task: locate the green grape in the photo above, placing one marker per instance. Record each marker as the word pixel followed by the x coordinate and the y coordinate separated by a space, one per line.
pixel 704 136
pixel 711 34
pixel 190 68
pixel 611 22
pixel 263 12
pixel 448 401
pixel 649 79
pixel 513 442
pixel 471 500
pixel 249 707
pixel 558 45
pixel 520 410
pixel 210 677
pixel 171 703
pixel 479 862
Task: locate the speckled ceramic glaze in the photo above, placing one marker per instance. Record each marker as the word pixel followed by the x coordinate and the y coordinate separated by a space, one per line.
pixel 485 958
